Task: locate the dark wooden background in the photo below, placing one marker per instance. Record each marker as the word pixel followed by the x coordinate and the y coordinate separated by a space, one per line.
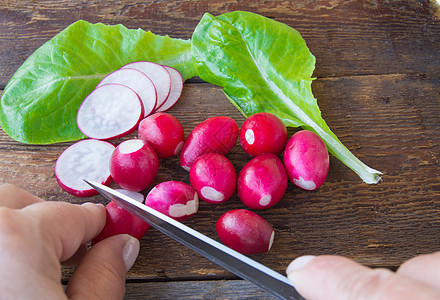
pixel 378 87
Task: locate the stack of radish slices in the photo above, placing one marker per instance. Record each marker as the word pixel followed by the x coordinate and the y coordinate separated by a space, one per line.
pixel 114 109
pixel 126 96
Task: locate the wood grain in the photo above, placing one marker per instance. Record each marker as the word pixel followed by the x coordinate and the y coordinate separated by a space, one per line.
pixel 378 87
pixel 347 37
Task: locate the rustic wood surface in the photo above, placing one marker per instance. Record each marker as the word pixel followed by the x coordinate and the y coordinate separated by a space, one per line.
pixel 378 87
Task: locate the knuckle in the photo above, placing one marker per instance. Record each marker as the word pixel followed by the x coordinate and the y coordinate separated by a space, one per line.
pixel 373 281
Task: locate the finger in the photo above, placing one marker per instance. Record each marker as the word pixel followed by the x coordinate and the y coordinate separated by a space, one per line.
pixel 64 227
pixel 16 198
pixel 424 268
pixel 101 273
pixel 335 277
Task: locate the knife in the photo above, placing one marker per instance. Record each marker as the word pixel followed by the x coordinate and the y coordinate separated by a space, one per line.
pixel 233 261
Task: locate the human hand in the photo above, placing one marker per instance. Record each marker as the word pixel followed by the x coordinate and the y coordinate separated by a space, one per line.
pixel 36 236
pixel 335 277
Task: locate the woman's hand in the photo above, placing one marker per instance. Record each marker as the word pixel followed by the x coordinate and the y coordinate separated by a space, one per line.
pixel 334 277
pixel 36 236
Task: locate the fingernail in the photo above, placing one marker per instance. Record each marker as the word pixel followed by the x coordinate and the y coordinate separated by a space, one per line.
pixel 130 252
pixel 299 263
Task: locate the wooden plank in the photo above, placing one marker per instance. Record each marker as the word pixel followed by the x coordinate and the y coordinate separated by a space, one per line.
pixel 193 290
pixel 347 37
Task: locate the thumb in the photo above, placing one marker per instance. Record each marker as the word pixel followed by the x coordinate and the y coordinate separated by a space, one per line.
pixel 336 277
pixel 102 271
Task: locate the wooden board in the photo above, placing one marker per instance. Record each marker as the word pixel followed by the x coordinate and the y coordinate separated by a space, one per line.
pixel 378 87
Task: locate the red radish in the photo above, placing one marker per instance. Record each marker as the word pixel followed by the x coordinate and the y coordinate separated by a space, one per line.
pixel 245 231
pixel 120 221
pixel 175 199
pixel 263 133
pixel 138 82
pixel 176 89
pixel 110 111
pixel 214 178
pixel 134 165
pixel 306 160
pixel 216 134
pixel 158 74
pixel 133 195
pixel 262 182
pixel 86 159
pixel 164 133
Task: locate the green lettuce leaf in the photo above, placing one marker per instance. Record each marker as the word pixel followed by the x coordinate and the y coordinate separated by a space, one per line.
pixel 40 102
pixel 264 65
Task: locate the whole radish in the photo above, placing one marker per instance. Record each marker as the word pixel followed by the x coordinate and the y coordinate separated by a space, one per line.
pixel 262 182
pixel 216 134
pixel 87 159
pixel 263 133
pixel 120 221
pixel 306 160
pixel 164 133
pixel 134 165
pixel 175 199
pixel 214 178
pixel 245 231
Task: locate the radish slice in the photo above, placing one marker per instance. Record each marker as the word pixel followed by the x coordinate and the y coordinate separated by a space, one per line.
pixel 138 82
pixel 86 159
pixel 159 76
pixel 175 92
pixel 110 111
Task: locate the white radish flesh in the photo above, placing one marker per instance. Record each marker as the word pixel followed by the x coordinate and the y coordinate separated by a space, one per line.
pixel 86 159
pixel 110 111
pixel 133 195
pixel 140 83
pixel 175 199
pixel 159 76
pixel 134 165
pixel 176 89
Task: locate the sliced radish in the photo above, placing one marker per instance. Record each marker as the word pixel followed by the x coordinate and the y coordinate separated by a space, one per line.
pixel 86 159
pixel 110 111
pixel 158 74
pixel 176 89
pixel 138 82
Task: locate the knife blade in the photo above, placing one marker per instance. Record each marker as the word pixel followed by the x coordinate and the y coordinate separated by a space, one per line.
pixel 233 261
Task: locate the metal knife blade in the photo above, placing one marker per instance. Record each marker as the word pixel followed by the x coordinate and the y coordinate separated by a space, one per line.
pixel 233 261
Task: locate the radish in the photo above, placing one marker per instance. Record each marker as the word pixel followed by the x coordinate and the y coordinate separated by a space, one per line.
pixel 110 111
pixel 306 160
pixel 86 159
pixel 262 182
pixel 176 89
pixel 133 195
pixel 245 231
pixel 138 82
pixel 175 199
pixel 158 74
pixel 134 165
pixel 216 134
pixel 164 133
pixel 263 133
pixel 120 221
pixel 214 178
